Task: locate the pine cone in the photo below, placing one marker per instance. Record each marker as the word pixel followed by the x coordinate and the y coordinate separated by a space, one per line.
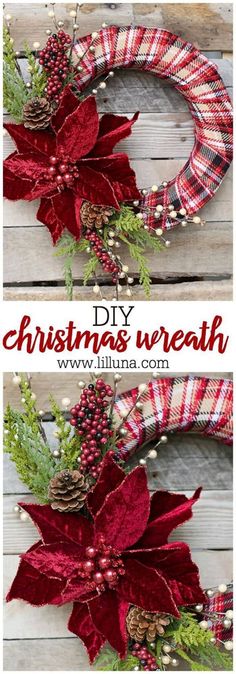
pixel 143 625
pixel 67 491
pixel 37 114
pixel 94 216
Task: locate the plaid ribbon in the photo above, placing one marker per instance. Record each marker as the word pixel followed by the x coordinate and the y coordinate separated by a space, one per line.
pixel 197 79
pixel 197 404
pixel 221 603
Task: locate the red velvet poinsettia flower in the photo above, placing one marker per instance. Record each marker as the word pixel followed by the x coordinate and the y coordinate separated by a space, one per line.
pixel 72 162
pixel 121 556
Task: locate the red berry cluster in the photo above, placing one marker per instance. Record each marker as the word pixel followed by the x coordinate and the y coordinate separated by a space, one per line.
pixel 62 171
pixel 101 567
pixel 103 256
pixel 146 659
pixel 56 63
pixel 93 425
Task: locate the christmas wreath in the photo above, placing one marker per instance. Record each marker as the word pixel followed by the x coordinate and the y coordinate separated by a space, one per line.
pixel 103 541
pixel 65 154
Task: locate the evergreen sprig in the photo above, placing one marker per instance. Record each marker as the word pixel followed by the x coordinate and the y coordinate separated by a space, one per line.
pixel 130 230
pixel 108 660
pixel 90 268
pixel 24 442
pixel 68 247
pixel 69 444
pixel 15 93
pixel 191 644
pixel 37 75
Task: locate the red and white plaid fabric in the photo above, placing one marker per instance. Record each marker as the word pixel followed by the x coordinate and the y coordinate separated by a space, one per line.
pixel 197 79
pixel 197 404
pixel 220 604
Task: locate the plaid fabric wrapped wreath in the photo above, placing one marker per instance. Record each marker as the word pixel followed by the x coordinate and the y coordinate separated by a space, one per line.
pixel 169 57
pixel 178 404
pixel 136 596
pixel 65 153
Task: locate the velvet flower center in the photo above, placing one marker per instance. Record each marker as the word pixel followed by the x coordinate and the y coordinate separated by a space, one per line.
pixel 102 566
pixel 61 171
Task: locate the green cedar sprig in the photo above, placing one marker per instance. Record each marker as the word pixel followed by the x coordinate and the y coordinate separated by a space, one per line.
pixel 192 645
pixel 69 443
pixel 38 76
pixel 24 441
pixel 15 92
pixel 130 230
pixel 68 247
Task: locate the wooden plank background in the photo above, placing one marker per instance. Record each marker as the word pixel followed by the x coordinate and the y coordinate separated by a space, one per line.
pixel 37 639
pixel 198 264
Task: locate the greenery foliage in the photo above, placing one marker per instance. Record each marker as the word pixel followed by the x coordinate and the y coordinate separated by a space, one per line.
pixel 130 230
pixel 15 92
pixel 190 643
pixel 68 247
pixel 26 443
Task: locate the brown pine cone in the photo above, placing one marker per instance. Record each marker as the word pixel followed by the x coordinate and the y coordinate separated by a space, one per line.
pixel 37 113
pixel 143 625
pixel 67 491
pixel 94 216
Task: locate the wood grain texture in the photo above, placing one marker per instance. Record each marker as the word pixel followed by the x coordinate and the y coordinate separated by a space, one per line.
pixel 135 90
pixel 160 144
pixel 65 384
pixel 207 25
pixel 180 291
pixel 26 622
pixel 211 526
pixel 185 460
pixel 148 171
pixel 197 251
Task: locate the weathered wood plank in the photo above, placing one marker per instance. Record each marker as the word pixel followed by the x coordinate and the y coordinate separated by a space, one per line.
pixel 204 290
pixel 209 28
pixel 66 384
pixel 45 655
pixel 211 526
pixel 155 135
pixel 197 251
pixel 135 90
pixel 25 622
pixel 149 171
pixel 31 25
pixel 208 25
pixel 193 461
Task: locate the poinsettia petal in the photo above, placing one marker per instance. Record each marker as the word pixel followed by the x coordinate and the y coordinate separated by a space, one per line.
pixel 175 564
pixel 125 511
pixel 69 102
pixel 95 187
pixel 57 560
pixel 56 527
pixel 41 142
pixel 117 169
pixel 81 624
pixel 112 129
pixel 168 511
pixel 76 590
pixel 67 210
pixel 46 214
pixel 15 188
pixel 78 134
pixel 145 587
pixel 34 587
pixel 27 165
pixel 110 477
pixel 109 613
